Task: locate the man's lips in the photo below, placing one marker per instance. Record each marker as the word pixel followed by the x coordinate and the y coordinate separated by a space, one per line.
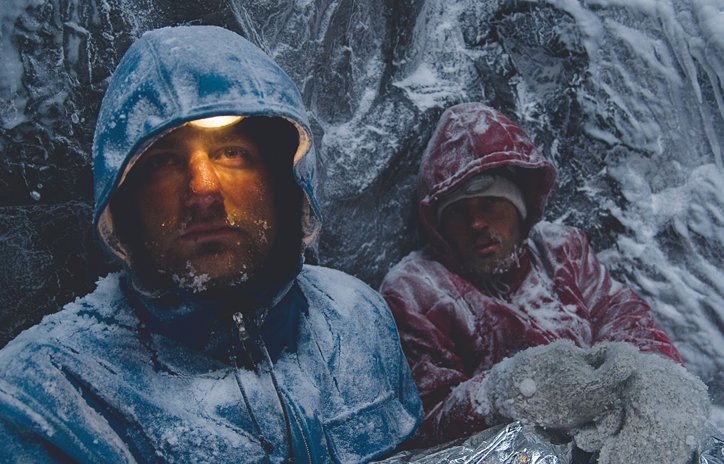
pixel 208 231
pixel 485 247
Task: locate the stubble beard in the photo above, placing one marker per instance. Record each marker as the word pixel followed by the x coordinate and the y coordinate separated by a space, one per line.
pixel 497 265
pixel 216 263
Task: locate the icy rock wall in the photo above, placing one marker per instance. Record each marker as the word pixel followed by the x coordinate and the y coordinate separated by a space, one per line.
pixel 56 57
pixel 623 95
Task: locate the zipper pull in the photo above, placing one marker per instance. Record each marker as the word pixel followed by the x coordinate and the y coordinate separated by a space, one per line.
pixel 241 327
pixel 245 339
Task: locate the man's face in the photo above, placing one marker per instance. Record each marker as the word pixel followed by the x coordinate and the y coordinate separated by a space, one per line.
pixel 205 205
pixel 485 232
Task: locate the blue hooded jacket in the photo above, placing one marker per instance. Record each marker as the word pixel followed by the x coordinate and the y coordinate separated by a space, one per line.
pixel 126 375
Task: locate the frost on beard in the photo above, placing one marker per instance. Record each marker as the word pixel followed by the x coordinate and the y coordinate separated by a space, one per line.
pixel 191 280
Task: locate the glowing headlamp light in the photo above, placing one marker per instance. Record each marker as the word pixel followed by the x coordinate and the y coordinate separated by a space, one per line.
pixel 215 122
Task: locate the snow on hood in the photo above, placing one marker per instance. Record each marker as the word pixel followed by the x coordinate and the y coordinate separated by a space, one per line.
pixel 178 74
pixel 471 138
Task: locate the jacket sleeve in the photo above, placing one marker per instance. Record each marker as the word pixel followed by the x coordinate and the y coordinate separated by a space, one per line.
pixel 23 433
pixel 44 417
pixel 32 432
pixel 616 312
pixel 447 388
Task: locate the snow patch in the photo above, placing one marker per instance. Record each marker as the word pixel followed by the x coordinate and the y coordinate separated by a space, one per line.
pixel 427 89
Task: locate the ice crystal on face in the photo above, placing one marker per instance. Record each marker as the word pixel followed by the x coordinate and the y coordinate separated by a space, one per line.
pixel 263 228
pixel 243 276
pixel 191 281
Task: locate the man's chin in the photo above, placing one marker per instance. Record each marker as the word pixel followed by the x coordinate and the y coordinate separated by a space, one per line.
pixel 488 272
pixel 199 281
pixel 212 271
pixel 494 266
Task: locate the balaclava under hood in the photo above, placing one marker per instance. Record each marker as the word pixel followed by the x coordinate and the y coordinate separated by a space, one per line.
pixel 174 75
pixel 471 138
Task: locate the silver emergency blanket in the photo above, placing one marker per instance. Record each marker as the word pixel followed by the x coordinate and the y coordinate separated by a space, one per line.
pixel 711 450
pixel 517 443
pixel 514 443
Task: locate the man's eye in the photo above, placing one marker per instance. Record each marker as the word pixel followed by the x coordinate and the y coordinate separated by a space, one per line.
pixel 459 207
pixel 161 160
pixel 233 157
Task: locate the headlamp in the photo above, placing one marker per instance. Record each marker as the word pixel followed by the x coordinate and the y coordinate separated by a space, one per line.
pixel 216 122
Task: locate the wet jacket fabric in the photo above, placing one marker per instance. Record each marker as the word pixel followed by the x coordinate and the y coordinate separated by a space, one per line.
pixel 314 373
pixel 452 331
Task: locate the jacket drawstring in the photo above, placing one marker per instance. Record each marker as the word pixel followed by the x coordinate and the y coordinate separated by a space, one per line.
pixel 245 339
pixel 266 445
pixel 282 403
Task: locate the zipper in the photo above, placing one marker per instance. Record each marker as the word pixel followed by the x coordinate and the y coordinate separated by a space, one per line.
pixel 282 403
pixel 246 341
pixel 244 338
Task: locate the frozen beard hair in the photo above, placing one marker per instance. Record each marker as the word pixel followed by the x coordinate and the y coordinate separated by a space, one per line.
pixel 486 185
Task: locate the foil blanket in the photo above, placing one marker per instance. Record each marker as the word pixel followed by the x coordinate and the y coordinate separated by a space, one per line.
pixel 516 443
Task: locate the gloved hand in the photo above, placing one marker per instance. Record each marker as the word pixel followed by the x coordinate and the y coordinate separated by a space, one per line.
pixel 560 386
pixel 665 408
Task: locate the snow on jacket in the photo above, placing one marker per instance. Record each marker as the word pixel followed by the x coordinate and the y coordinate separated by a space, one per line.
pixel 125 376
pixel 453 332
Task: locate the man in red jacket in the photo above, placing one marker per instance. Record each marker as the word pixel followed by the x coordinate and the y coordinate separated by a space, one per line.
pixel 495 281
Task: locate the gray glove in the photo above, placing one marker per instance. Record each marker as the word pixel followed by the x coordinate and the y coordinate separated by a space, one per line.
pixel 560 386
pixel 665 408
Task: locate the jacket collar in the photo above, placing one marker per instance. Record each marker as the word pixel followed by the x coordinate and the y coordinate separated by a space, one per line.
pixel 203 321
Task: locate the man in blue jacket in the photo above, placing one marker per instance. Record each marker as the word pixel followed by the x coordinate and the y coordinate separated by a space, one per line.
pixel 215 343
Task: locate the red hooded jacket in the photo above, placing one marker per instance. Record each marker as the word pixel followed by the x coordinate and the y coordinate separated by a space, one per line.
pixel 453 332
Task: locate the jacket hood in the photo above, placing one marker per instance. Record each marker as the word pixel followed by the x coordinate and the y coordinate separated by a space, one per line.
pixel 469 139
pixel 174 75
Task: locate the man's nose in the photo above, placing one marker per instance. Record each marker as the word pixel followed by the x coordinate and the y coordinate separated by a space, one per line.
pixel 204 186
pixel 479 220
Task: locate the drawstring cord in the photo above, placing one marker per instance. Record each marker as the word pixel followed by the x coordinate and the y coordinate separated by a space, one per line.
pixel 245 338
pixel 282 403
pixel 266 445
